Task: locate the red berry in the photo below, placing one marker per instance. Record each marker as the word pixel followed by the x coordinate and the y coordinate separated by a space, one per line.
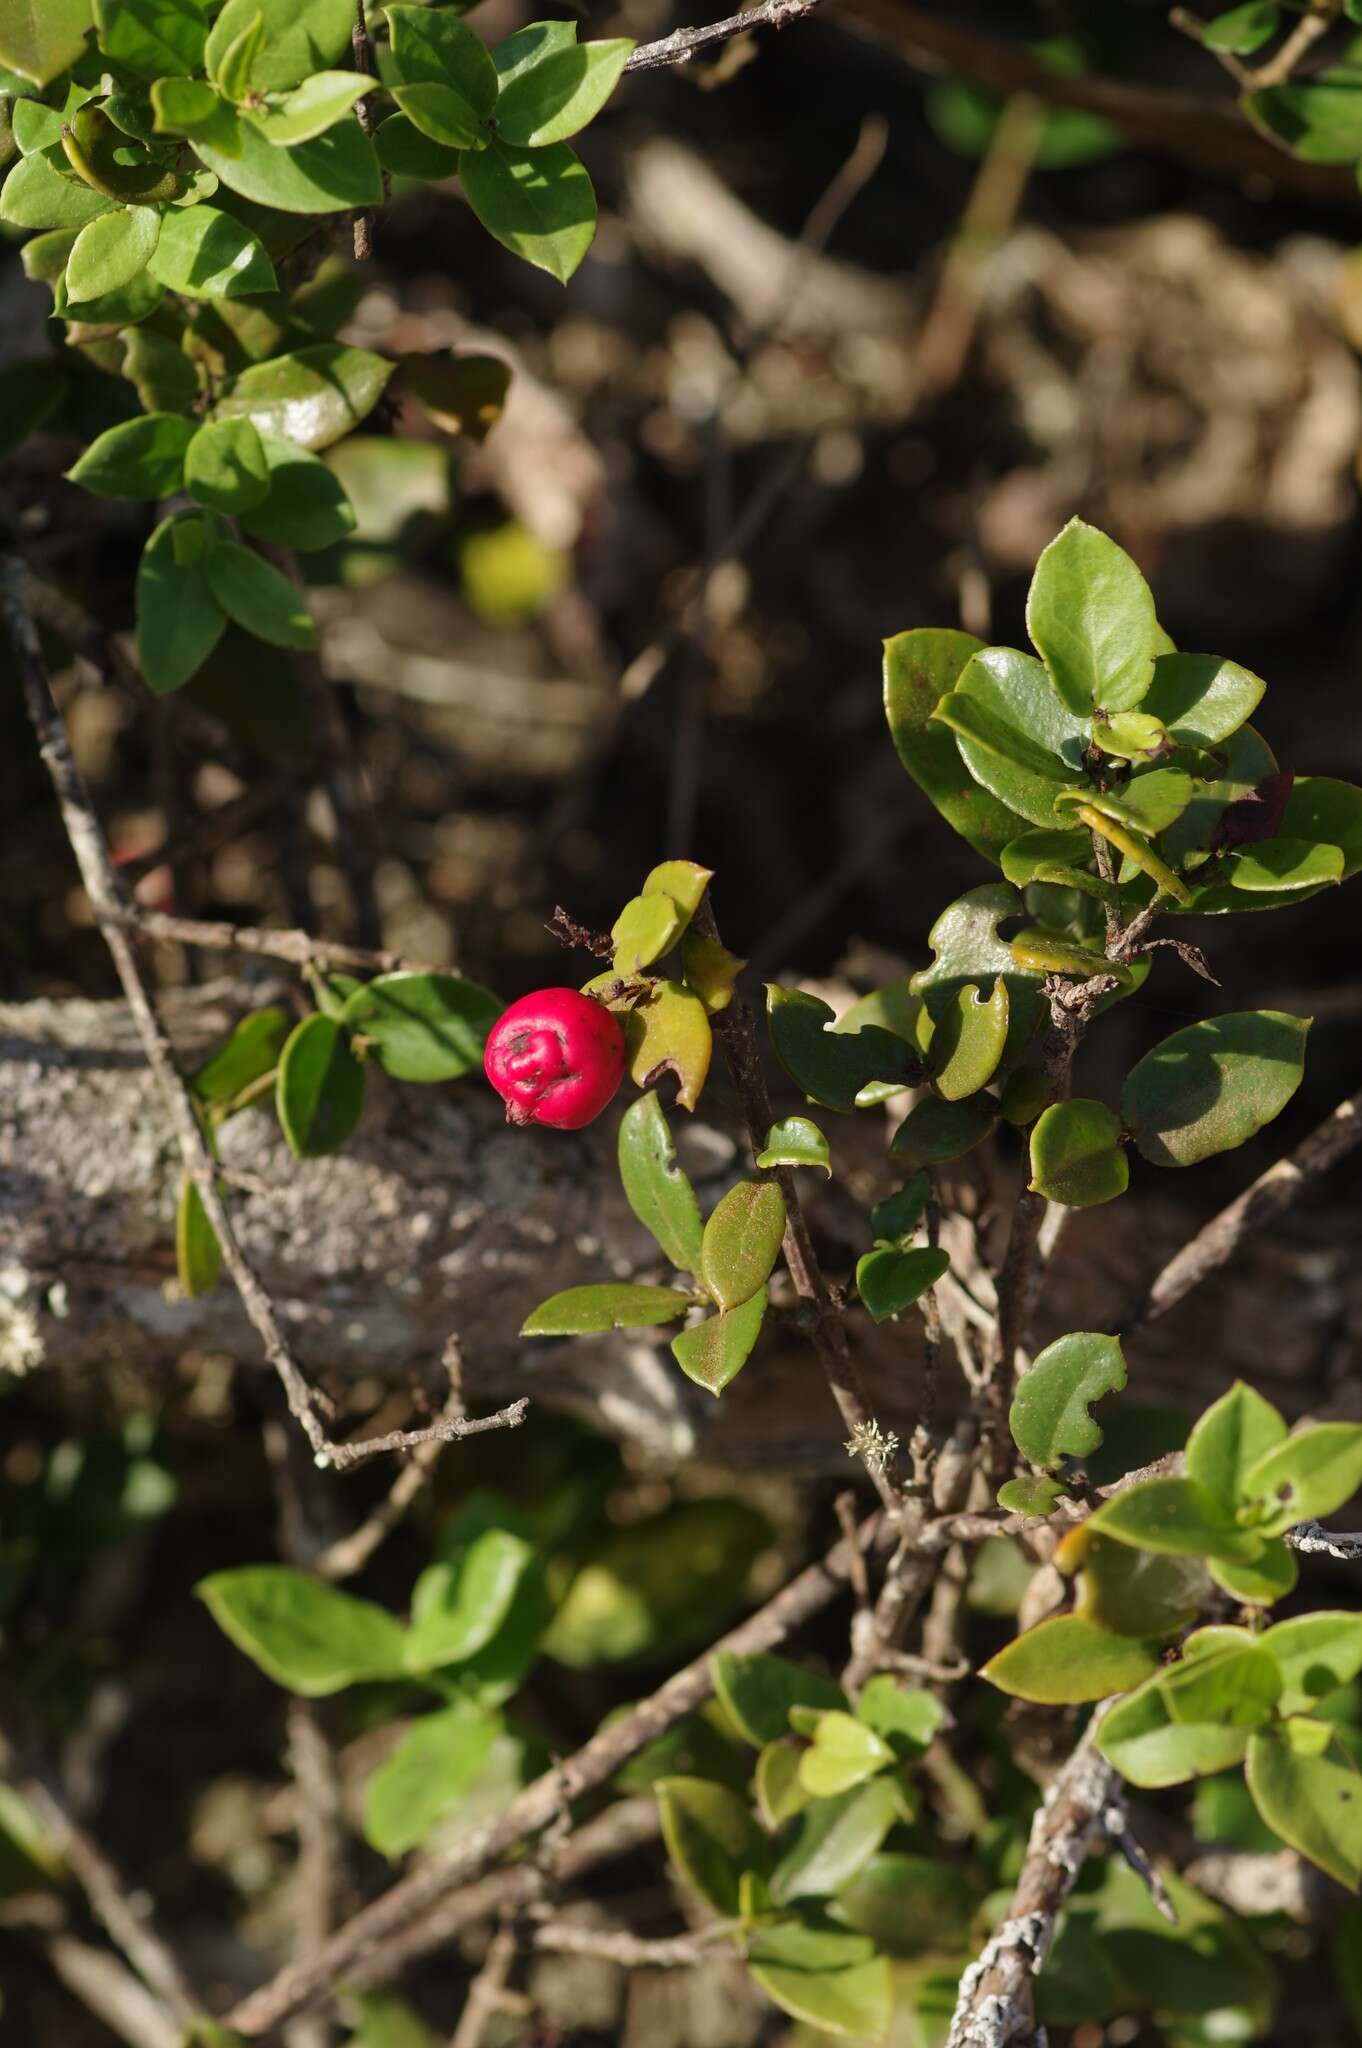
pixel 556 1057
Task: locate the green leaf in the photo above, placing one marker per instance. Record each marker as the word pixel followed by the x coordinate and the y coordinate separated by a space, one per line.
pixel 1311 1474
pixel 741 1242
pixel 1015 736
pixel 225 468
pixel 1030 1496
pixel 426 1775
pixel 844 1753
pixel 407 153
pixel 935 1131
pixel 142 458
pixel 206 254
pixel 613 1305
pixel 1049 1419
pixel 442 114
pixel 1091 620
pixel 179 621
pixel 552 99
pixel 382 2021
pixel 250 1053
pixel 1076 1156
pixel 830 1066
pixel 1147 1745
pixel 1024 1095
pixel 920 667
pixel 1320 122
pixel 714 1350
pixel 711 1837
pixel 310 109
pixel 832 1838
pixel 1130 735
pixel 337 171
pixel 301 37
pixel 320 1091
pixel 258 596
pixel 684 881
pixel 1067 1660
pixel 191 107
pixel 775 1782
pixel 423 1027
pixel 646 928
pixel 111 251
pixel 1285 864
pixel 1315 1653
pixel 459 1605
pixel 1055 857
pixel 659 1585
pixel 1132 1592
pixel 759 1691
pixel 836 1997
pixel 795 1141
pixel 36 195
pixel 908 1718
pixel 968 1043
pixel 159 371
pixel 311 397
pixel 198 1255
pixel 890 1280
pixel 670 1033
pixel 1309 1791
pixel 307 507
pixel 896 1218
pixel 1268 1577
pixel 1319 808
pixel 529 47
pixel 537 203
pixel 1201 698
pixel 968 951
pixel 435 47
pixel 1242 30
pixel 655 1187
pixel 1230 1438
pixel 304 1634
pixel 42 38
pixel 231 66
pixel 909 1905
pixel 1176 1516
pixel 154 38
pixel 1211 1086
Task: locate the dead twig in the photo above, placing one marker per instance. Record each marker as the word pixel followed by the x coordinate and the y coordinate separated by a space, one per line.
pixel 685 43
pixel 300 948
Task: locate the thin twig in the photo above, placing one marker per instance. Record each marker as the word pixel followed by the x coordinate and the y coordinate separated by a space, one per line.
pixel 1269 1197
pixel 737 1038
pixel 360 1945
pixel 487 1990
pixel 446 1430
pixel 684 43
pixel 111 1899
pixel 362 51
pixel 620 1945
pixel 349 1554
pixel 299 947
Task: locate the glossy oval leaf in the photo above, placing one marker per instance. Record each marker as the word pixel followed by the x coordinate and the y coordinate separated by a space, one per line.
pixel 759 1691
pixel 207 254
pixel 320 1090
pixel 139 458
pixel 890 1280
pixel 1067 1660
pixel 741 1241
pixel 1177 1516
pixel 111 251
pixel 1201 698
pixel 1091 619
pixel 1229 1439
pixel 920 667
pixel 935 1131
pixel 646 928
pixel 304 1634
pixel 855 1999
pixel 1310 1474
pixel 1135 1592
pixel 1149 1747
pixel 312 397
pixel 1315 1653
pixel 250 1053
pixel 832 1838
pixel 714 1350
pixel 1309 1791
pixel 670 1033
pixel 459 1603
pixel 1049 1418
pixel 179 621
pixel 1015 736
pixel 1076 1155
pixel 613 1305
pixel 198 1255
pixel 830 1066
pixel 538 203
pixel 1210 1087
pixel 36 195
pixel 423 1027
pixel 258 596
pixel 331 174
pixel 299 37
pixel 655 1187
pixel 41 38
pixel 795 1141
pixel 426 1775
pixel 306 507
pixel 969 1040
pixel 225 467
pixel 553 99
pixel 711 1837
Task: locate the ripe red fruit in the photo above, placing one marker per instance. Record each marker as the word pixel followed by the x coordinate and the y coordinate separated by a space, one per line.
pixel 556 1057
